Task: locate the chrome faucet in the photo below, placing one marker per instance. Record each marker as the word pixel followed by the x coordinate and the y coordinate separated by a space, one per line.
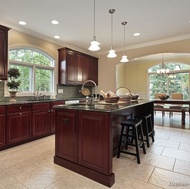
pixel 88 100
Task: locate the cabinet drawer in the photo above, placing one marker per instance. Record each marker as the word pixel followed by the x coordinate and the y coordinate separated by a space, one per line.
pixel 41 106
pixel 2 109
pixel 18 108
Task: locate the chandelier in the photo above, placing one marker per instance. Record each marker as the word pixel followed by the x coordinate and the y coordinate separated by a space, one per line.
pixel 163 70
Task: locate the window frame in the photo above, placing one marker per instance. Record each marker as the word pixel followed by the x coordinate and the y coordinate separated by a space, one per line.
pixel 34 66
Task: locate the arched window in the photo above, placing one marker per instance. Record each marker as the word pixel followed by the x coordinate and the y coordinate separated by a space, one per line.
pixel 36 68
pixel 175 81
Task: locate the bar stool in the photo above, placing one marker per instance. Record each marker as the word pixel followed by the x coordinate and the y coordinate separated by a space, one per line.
pixel 147 127
pixel 134 129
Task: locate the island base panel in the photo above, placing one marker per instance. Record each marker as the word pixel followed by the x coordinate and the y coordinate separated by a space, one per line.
pixel 107 180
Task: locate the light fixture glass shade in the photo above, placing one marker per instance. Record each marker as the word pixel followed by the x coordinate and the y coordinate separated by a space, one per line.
pixel 111 54
pixel 94 46
pixel 124 59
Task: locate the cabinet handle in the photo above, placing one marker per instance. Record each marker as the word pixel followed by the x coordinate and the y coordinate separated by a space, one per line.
pixel 66 121
pixel 20 114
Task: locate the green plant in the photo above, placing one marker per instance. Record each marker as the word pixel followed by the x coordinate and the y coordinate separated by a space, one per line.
pixel 13 75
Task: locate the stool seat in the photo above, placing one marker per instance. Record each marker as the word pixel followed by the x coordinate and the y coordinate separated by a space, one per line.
pixel 147 127
pixel 133 131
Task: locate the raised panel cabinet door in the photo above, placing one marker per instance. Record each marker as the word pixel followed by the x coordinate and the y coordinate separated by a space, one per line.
pixel 41 121
pixel 95 137
pixel 82 70
pixel 66 137
pixel 3 52
pixel 93 69
pixel 53 114
pixel 18 127
pixel 2 130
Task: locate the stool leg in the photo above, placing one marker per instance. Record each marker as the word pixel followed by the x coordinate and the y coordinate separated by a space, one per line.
pixel 143 145
pixel 146 131
pixel 152 133
pixel 137 146
pixel 120 141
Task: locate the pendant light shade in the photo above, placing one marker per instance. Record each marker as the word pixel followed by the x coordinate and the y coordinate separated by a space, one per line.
pixel 111 52
pixel 94 44
pixel 163 70
pixel 124 57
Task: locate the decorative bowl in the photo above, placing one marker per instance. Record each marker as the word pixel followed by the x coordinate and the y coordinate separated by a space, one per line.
pixel 135 96
pixel 163 97
pixel 111 99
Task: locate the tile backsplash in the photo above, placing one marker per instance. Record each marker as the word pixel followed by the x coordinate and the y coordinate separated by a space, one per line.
pixel 68 92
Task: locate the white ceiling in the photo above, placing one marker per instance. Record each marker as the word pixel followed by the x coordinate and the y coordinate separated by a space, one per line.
pixel 157 21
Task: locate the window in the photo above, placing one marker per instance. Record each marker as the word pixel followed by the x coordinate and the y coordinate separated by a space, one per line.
pixel 36 68
pixel 176 81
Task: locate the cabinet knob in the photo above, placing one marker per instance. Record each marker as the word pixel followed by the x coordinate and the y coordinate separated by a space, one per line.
pixel 20 114
pixel 20 107
pixel 49 110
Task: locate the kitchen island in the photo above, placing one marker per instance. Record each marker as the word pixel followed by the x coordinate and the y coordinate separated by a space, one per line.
pixel 87 137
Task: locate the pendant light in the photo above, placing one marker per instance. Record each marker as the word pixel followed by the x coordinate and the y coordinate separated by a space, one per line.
pixel 111 52
pixel 163 70
pixel 94 44
pixel 124 57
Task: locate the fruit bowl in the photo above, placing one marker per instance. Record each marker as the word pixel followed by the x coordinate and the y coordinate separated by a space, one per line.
pixel 163 97
pixel 111 99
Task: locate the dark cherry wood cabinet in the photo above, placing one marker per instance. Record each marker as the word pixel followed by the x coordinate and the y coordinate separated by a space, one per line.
pixel 41 119
pixel 2 126
pixel 18 123
pixel 93 142
pixel 52 104
pixel 3 52
pixel 76 67
pixel 67 135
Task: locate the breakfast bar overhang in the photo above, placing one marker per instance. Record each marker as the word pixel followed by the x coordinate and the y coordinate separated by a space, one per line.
pixel 87 137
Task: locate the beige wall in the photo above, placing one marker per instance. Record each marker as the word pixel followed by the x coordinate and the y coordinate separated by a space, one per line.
pixel 112 74
pixel 134 74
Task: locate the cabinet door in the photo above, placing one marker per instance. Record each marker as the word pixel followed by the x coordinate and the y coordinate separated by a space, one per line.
pixel 3 52
pixel 53 114
pixel 41 121
pixel 93 69
pixel 82 70
pixel 94 138
pixel 18 127
pixel 2 130
pixel 66 137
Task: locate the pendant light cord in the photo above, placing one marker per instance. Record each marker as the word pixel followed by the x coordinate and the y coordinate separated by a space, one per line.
pixel 94 19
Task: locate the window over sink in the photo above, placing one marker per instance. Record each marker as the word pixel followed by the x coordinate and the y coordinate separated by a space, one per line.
pixel 36 68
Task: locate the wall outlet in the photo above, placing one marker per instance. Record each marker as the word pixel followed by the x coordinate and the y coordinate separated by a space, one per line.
pixel 60 90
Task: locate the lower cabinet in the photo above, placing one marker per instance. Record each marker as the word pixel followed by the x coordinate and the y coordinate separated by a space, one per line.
pixel 41 119
pixel 67 135
pixel 82 137
pixel 18 123
pixel 52 104
pixel 2 126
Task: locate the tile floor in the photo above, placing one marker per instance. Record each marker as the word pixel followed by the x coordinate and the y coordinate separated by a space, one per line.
pixel 165 166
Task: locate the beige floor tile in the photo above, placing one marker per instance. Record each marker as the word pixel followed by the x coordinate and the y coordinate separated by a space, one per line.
pixel 159 161
pixel 169 180
pixel 180 139
pixel 161 136
pixel 184 147
pixel 178 154
pixel 122 167
pixel 182 167
pixel 154 149
pixel 166 143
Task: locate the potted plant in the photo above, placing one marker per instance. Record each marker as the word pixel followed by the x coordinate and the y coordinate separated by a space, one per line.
pixel 13 83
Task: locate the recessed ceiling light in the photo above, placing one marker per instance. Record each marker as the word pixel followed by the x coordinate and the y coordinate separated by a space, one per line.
pixel 57 37
pixel 136 34
pixel 54 22
pixel 22 22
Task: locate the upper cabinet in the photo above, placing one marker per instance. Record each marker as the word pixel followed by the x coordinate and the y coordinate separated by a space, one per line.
pixel 3 52
pixel 76 67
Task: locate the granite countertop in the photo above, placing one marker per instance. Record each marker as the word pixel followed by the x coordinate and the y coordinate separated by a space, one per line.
pixel 102 106
pixel 38 101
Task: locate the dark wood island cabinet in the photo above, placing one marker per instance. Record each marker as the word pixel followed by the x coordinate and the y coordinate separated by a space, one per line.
pixel 87 137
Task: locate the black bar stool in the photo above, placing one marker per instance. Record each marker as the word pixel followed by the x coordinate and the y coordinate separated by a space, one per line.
pixel 147 127
pixel 133 130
